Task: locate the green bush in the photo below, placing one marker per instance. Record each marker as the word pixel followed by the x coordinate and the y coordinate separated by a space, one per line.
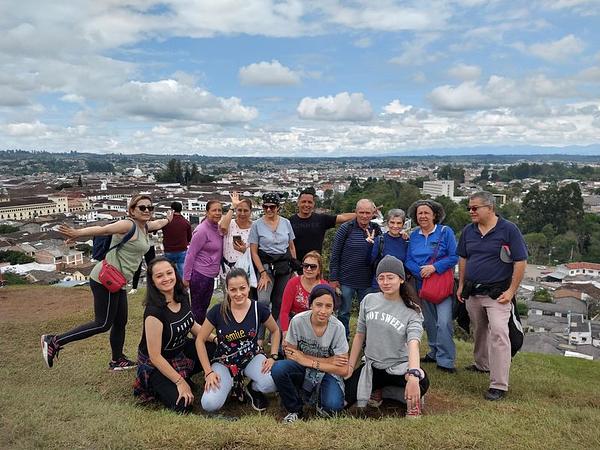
pixel 13 278
pixel 15 257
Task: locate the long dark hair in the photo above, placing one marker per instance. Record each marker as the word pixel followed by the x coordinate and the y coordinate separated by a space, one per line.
pixel 409 296
pixel 226 303
pixel 153 295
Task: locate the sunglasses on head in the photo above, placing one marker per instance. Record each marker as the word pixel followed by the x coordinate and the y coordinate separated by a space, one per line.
pixel 310 266
pixel 271 207
pixel 143 208
pixel 475 208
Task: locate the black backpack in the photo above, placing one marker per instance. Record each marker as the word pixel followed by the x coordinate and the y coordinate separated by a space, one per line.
pixel 101 244
pixel 379 256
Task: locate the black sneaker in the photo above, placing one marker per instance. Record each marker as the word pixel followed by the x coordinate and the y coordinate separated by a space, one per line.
pixel 121 364
pixel 50 349
pixel 257 399
pixel 474 368
pixel 427 359
pixel 446 369
pixel 493 394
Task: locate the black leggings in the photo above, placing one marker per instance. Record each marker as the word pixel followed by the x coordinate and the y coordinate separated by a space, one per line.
pixel 110 313
pixel 166 391
pixel 381 379
pixel 149 256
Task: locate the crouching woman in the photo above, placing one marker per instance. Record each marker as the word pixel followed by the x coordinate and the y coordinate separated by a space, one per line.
pixel 389 326
pixel 167 358
pixel 317 358
pixel 238 355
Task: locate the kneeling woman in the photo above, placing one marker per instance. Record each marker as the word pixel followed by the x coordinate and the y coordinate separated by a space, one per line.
pixel 166 356
pixel 392 325
pixel 317 358
pixel 236 321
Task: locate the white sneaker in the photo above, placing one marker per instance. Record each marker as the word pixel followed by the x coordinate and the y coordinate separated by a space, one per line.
pixel 291 418
pixel 132 291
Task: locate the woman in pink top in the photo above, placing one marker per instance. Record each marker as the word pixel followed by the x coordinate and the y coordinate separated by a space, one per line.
pixel 297 290
pixel 203 260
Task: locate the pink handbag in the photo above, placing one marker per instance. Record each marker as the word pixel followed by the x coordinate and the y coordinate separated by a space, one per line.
pixel 111 278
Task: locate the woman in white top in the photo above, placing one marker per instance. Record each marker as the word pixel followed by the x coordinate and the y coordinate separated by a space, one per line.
pixel 236 231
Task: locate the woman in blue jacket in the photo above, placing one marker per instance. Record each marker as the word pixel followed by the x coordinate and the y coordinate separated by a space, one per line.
pixel 428 237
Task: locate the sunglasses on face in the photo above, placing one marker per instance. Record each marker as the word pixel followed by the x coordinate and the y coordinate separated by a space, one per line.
pixel 270 207
pixel 143 208
pixel 310 266
pixel 475 208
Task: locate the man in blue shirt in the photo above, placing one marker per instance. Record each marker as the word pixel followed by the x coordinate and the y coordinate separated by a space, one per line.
pixel 493 258
pixel 349 268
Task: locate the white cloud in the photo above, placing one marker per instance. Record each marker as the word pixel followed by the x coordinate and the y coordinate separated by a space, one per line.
pixel 395 107
pixel 465 72
pixel 556 51
pixel 25 129
pixel 500 92
pixel 73 98
pixel 268 74
pixel 171 100
pixel 416 52
pixel 344 106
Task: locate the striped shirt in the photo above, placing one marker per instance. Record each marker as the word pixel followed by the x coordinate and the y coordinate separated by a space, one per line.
pixel 349 262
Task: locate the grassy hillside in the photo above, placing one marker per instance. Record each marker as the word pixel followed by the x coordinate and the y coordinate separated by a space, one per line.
pixel 554 402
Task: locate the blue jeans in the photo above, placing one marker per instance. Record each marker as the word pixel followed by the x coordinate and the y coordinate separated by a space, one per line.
pixel 288 376
pixel 348 294
pixel 214 399
pixel 177 258
pixel 440 328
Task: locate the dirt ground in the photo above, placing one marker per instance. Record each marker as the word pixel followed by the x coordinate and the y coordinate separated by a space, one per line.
pixel 19 304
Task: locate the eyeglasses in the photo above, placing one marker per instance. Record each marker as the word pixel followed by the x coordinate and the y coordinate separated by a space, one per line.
pixel 143 208
pixel 389 278
pixel 476 208
pixel 310 266
pixel 271 207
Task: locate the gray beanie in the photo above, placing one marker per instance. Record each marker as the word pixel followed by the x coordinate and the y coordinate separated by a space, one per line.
pixel 391 264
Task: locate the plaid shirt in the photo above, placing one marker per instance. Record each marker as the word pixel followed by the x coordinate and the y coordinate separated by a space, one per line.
pixel 141 386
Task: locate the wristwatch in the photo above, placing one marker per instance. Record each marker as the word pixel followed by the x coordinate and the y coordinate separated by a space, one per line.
pixel 416 373
pixel 275 356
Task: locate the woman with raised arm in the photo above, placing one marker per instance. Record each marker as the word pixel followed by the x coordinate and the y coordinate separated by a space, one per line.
pixel 203 260
pixel 236 321
pixel 389 327
pixel 110 309
pixel 272 247
pixel 167 357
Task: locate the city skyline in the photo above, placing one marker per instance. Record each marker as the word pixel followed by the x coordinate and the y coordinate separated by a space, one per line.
pixel 291 78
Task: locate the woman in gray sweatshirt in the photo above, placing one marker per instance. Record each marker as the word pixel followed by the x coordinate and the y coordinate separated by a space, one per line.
pixel 389 326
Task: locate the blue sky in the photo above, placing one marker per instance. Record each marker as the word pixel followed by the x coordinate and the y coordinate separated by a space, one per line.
pixel 294 78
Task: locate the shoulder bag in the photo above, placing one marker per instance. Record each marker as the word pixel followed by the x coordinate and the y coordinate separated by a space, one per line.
pixel 438 286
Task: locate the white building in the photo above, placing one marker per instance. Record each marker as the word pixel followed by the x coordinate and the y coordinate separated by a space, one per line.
pixel 439 187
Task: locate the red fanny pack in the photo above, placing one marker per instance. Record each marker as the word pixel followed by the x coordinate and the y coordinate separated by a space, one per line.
pixel 111 278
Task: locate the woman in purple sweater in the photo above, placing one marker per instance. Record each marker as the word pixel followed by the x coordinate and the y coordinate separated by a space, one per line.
pixel 203 260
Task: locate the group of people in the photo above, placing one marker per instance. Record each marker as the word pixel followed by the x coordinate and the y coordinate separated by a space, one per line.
pixel 308 318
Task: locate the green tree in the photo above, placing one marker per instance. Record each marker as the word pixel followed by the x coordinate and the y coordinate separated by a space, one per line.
pixel 5 229
pixel 537 243
pixel 79 181
pixel 542 295
pixel 14 257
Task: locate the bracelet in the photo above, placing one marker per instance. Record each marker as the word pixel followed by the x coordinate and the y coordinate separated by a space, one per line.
pixel 261 272
pixel 179 380
pixel 215 339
